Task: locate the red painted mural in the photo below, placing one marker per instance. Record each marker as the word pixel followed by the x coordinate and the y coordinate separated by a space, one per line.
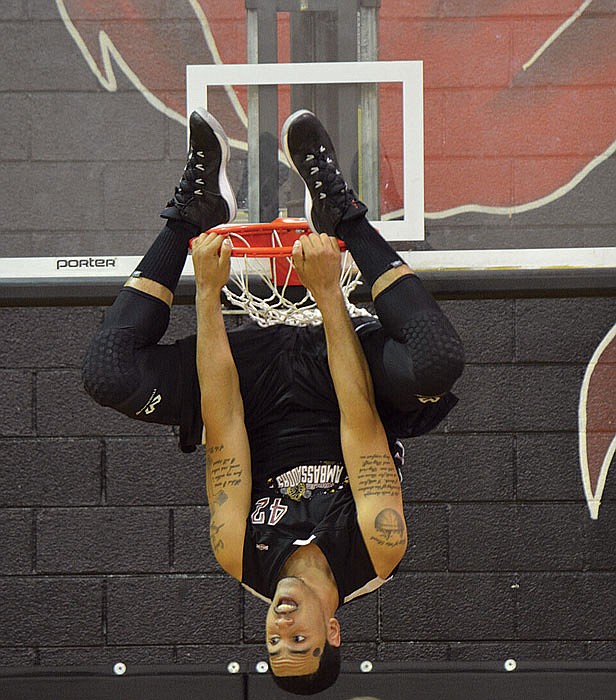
pixel 597 421
pixel 519 106
pixel 520 98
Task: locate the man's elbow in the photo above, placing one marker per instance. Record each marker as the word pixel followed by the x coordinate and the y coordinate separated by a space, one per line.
pixel 388 539
pixel 360 420
pixel 390 561
pixel 221 416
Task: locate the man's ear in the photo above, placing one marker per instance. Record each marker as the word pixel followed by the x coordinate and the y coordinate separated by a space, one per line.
pixel 333 632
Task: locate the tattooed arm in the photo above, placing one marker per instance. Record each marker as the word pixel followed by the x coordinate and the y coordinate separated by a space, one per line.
pixel 228 478
pixel 372 472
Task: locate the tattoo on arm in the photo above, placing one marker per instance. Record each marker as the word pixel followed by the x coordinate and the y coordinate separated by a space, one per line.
pixel 216 538
pixel 221 498
pixel 389 528
pixel 377 476
pixel 223 473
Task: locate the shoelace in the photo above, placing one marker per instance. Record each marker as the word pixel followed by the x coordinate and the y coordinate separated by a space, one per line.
pixel 192 165
pixel 328 178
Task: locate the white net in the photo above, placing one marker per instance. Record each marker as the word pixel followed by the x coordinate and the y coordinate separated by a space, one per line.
pixel 272 304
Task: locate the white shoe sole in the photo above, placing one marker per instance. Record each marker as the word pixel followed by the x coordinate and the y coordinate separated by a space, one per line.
pixel 224 185
pixel 284 134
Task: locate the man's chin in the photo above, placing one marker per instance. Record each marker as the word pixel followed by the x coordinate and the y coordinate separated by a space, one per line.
pixel 291 579
pixel 289 585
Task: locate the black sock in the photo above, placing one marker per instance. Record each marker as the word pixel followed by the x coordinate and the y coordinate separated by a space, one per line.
pixel 164 261
pixel 369 249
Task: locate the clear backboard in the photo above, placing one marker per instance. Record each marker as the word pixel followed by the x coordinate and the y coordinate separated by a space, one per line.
pixel 384 166
pixel 484 152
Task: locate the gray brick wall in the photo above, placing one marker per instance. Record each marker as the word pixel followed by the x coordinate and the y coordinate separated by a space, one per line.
pixel 103 522
pixel 104 553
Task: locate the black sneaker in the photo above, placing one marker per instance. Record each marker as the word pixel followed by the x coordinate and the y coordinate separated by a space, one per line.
pixel 311 154
pixel 204 196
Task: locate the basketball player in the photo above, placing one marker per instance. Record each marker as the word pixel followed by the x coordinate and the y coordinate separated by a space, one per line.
pixel 300 423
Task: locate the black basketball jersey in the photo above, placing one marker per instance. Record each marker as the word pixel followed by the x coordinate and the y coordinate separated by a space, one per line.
pixel 292 418
pixel 288 394
pixel 307 504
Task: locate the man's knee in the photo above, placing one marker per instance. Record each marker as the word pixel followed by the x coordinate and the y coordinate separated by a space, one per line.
pixel 108 371
pixel 411 317
pixel 429 355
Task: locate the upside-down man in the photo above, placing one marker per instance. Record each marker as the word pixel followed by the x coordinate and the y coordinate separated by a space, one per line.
pixel 301 424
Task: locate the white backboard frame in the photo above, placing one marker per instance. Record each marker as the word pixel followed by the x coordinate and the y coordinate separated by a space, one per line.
pixel 408 73
pixel 453 261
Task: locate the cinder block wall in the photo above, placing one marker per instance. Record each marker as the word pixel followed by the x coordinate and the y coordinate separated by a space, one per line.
pixel 103 523
pixel 104 549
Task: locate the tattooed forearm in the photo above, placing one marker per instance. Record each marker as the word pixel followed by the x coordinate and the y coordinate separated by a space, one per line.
pixel 389 528
pixel 377 476
pixel 222 472
pixel 220 499
pixel 216 538
pixel 215 529
pixel 228 483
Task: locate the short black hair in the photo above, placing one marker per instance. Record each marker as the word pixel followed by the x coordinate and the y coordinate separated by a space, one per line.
pixel 321 679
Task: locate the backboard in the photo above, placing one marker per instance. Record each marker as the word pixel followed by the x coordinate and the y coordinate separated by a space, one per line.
pixel 352 95
pixel 483 147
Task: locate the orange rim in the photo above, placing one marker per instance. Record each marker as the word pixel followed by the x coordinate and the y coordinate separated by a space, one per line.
pixel 283 225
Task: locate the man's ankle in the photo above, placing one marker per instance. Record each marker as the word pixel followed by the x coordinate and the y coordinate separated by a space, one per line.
pixel 183 228
pixel 353 222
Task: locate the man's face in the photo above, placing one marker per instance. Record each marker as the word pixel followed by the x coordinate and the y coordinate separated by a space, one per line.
pixel 295 628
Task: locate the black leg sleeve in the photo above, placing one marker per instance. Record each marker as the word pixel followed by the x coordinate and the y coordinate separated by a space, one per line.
pixel 422 353
pixel 125 368
pixel 145 315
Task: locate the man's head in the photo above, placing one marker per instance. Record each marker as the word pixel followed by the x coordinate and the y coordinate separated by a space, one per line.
pixel 303 638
